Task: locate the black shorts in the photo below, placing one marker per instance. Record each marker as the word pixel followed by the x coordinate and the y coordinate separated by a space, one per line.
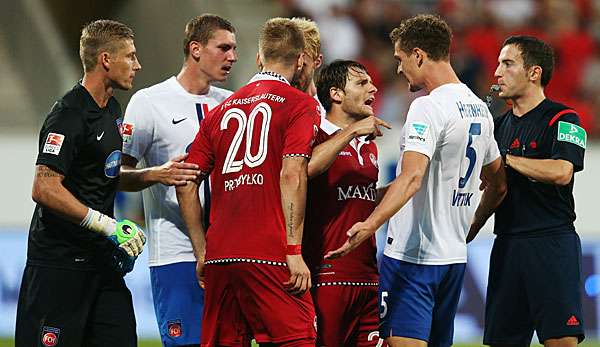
pixel 534 284
pixel 59 307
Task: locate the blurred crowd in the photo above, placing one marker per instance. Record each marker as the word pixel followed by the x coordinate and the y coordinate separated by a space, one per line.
pixel 358 29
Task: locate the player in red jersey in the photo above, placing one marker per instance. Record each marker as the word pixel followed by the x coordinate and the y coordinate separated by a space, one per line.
pixel 341 193
pixel 257 144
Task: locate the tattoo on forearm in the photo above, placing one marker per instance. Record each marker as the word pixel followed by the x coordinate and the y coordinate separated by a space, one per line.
pixel 291 221
pixel 44 171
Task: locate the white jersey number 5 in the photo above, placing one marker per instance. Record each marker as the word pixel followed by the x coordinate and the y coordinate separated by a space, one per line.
pixel 246 124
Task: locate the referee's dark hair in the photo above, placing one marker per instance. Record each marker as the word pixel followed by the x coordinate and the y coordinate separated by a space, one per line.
pixel 334 75
pixel 201 29
pixel 534 52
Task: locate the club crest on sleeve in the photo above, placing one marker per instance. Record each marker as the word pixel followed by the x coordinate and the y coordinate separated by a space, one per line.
pixel 174 328
pixel 127 132
pixel 50 336
pixel 53 143
pixel 417 132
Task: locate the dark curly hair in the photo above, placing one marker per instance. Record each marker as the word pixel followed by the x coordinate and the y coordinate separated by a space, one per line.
pixel 427 32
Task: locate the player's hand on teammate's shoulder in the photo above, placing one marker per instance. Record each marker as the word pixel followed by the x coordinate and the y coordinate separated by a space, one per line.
pixel 175 172
pixel 356 235
pixel 369 126
pixel 299 281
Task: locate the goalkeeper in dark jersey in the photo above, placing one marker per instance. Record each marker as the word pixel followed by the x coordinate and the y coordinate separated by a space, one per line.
pixel 73 292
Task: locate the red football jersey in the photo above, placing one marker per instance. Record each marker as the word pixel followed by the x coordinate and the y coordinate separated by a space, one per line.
pixel 242 142
pixel 338 198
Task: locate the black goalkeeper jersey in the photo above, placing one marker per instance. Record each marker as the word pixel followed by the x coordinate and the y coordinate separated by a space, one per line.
pixel 83 142
pixel 549 131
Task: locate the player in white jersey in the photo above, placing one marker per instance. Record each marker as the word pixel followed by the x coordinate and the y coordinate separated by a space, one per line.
pixel 447 141
pixel 160 123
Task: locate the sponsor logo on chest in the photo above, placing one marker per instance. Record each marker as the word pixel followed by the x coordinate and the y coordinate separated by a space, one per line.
pixel 361 192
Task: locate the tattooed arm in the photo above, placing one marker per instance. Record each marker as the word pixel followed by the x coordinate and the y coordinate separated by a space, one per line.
pixel 293 200
pixel 49 192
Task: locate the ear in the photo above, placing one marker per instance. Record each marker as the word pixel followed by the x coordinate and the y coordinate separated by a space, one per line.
pixel 195 48
pixel 104 60
pixel 319 61
pixel 535 73
pixel 258 61
pixel 419 56
pixel 300 62
pixel 336 94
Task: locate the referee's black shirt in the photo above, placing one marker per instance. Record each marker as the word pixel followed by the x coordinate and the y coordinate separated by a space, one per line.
pixel 83 142
pixel 549 131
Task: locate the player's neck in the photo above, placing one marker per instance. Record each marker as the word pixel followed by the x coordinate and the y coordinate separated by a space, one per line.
pixel 193 80
pixel 98 86
pixel 439 73
pixel 527 102
pixel 340 118
pixel 286 71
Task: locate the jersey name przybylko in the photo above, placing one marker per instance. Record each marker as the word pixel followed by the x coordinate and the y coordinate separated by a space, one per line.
pixel 160 123
pixel 454 128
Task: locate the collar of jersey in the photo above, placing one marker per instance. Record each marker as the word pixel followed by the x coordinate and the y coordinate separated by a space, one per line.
pixel 329 128
pixel 268 76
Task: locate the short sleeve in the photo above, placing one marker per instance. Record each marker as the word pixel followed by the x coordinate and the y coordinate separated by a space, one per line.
pixel 60 138
pixel 201 152
pixel 421 133
pixel 569 140
pixel 138 126
pixel 302 130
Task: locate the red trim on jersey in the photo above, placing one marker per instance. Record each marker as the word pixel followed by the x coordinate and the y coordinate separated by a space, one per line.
pixel 557 116
pixel 205 110
pixel 294 249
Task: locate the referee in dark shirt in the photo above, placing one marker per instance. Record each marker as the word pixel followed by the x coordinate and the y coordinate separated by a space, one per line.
pixel 73 292
pixel 535 267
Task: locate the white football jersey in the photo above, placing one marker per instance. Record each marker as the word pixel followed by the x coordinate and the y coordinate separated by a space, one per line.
pixel 455 129
pixel 160 123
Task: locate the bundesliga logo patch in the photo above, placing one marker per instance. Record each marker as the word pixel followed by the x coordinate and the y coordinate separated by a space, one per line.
pixel 127 132
pixel 50 336
pixel 53 143
pixel 174 328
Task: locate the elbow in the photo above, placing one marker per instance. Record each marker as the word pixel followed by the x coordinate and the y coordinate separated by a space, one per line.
pixel 564 176
pixel 290 179
pixel 416 180
pixel 563 180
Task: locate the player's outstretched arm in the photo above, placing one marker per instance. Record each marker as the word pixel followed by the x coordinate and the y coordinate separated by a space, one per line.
pixel 404 187
pixel 325 153
pixel 495 190
pixel 175 172
pixel 293 201
pixel 191 212
pixel 552 171
pixel 49 191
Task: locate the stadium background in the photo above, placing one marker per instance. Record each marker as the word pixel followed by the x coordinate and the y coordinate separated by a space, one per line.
pixel 39 62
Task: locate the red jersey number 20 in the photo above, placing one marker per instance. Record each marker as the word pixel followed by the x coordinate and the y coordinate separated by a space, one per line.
pixel 246 125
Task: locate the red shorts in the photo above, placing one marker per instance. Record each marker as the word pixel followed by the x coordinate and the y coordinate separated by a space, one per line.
pixel 347 316
pixel 248 299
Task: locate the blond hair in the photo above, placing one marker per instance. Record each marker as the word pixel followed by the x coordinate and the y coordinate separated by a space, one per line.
pixel 280 40
pixel 202 28
pixel 101 36
pixel 311 35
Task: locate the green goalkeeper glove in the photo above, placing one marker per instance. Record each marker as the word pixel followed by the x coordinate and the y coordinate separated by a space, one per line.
pixel 125 234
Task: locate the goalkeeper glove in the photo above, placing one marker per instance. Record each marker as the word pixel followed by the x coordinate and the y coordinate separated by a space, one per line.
pixel 125 234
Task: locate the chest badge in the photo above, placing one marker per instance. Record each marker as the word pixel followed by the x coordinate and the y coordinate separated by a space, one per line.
pixel 373 160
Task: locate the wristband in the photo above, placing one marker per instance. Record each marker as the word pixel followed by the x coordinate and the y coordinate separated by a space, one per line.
pixel 294 249
pixel 99 222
